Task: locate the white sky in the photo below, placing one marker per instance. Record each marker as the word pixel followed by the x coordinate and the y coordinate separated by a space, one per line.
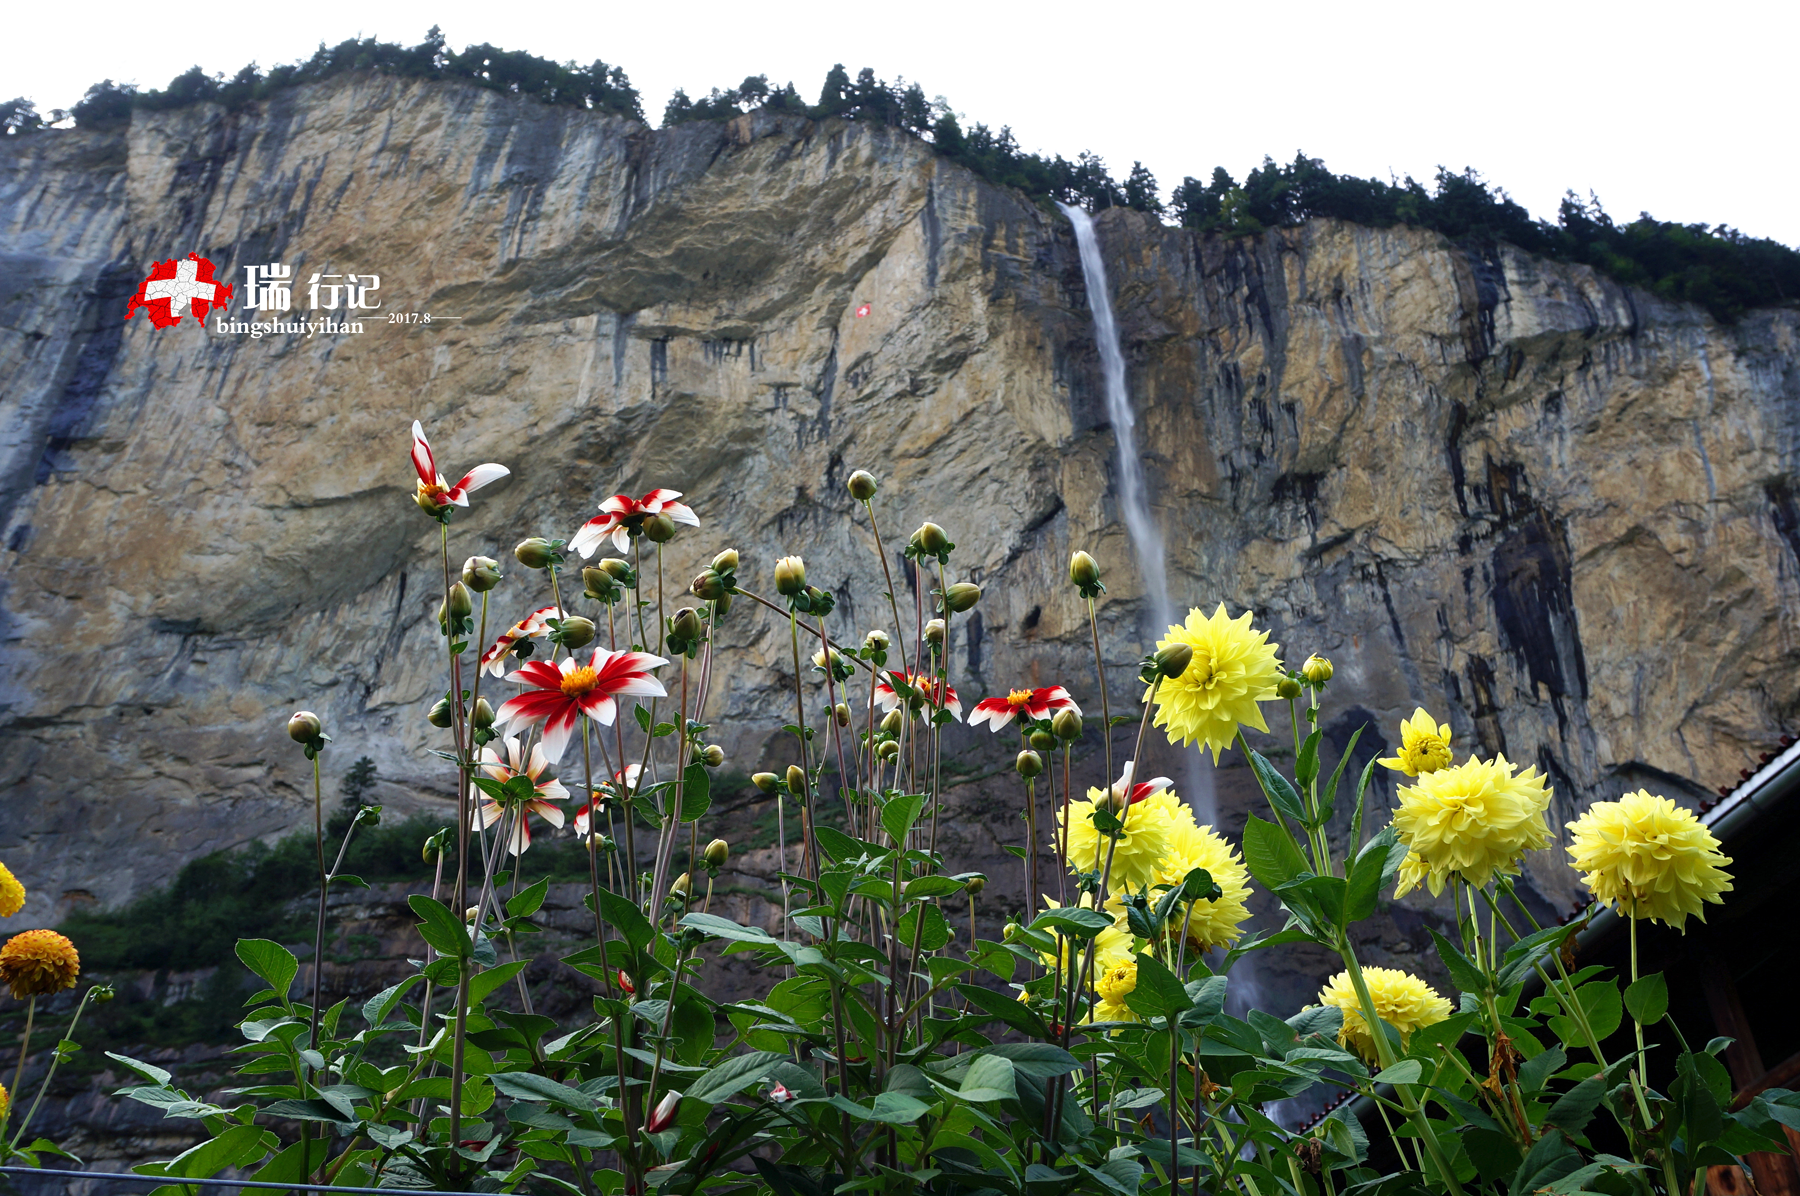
pixel 1682 110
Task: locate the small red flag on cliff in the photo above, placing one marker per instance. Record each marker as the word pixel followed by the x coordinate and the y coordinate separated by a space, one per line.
pixel 173 283
pixel 862 311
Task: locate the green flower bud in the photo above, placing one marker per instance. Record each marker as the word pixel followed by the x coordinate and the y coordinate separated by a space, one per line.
pixel 796 780
pixel 1066 724
pixel 841 712
pixel 934 633
pixel 686 627
pixel 887 750
pixel 1042 740
pixel 620 571
pixel 601 586
pixel 1084 571
pixel 717 852
pixel 766 781
pixel 722 607
pixel 974 884
pixel 1287 687
pixel 442 713
pixel 460 604
pixel 483 715
pixel 891 721
pixel 304 727
pixel 862 485
pixel 575 632
pixel 1173 660
pixel 726 562
pixel 659 529
pixel 1029 764
pixel 481 573
pixel 1317 670
pixel 790 576
pixel 535 552
pixel 932 539
pixel 962 597
pixel 712 755
pixel 708 586
pixel 683 888
pixel 876 641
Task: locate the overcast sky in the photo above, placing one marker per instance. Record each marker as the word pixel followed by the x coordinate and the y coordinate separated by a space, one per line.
pixel 1681 110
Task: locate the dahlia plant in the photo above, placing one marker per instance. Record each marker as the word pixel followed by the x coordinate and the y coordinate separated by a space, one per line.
pixel 1089 1049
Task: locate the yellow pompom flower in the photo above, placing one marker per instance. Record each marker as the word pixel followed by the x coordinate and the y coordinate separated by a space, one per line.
pixel 1112 987
pixel 1473 820
pixel 1649 858
pixel 12 893
pixel 1424 745
pixel 36 963
pixel 5 1103
pixel 1233 668
pixel 1149 822
pixel 1212 923
pixel 1401 999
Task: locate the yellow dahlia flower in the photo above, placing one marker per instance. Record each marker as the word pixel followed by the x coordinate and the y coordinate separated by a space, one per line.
pixel 1212 923
pixel 1402 1000
pixel 1473 820
pixel 1233 668
pixel 5 1103
pixel 1112 987
pixel 1424 745
pixel 36 963
pixel 1649 858
pixel 12 893
pixel 1149 823
pixel 1411 875
pixel 1110 946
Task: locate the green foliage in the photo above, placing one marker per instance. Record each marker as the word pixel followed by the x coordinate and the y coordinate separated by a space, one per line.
pixel 1717 267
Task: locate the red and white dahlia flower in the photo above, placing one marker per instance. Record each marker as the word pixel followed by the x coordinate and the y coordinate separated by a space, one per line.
pixel 621 784
pixel 544 792
pixel 535 625
pixel 1029 704
pixel 622 514
pixel 561 693
pixel 928 688
pixel 1138 792
pixel 434 495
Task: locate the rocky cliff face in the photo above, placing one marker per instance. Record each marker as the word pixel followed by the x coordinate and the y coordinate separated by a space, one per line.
pixel 1558 512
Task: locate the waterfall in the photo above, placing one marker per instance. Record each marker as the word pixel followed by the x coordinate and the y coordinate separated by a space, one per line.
pixel 1134 491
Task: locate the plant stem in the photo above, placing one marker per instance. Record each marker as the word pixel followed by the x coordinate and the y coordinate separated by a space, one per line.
pixel 324 885
pixel 24 1053
pixel 1105 701
pixel 55 1060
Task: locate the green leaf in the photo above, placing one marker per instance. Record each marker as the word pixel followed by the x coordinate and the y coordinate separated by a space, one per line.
pixel 441 928
pixel 1575 1108
pixel 643 718
pixel 1328 795
pixel 1524 956
pixel 483 983
pixel 376 1009
pixel 1362 789
pixel 1463 972
pixel 526 1085
pixel 148 1071
pixel 724 928
pixel 1648 998
pixel 1005 1008
pixel 627 919
pixel 1324 894
pixel 696 792
pixel 1278 789
pixel 931 886
pixel 1072 921
pixel 930 934
pixel 1038 1060
pixel 271 961
pixel 1306 764
pixel 1159 992
pixel 523 905
pixel 899 814
pixel 1536 1071
pixel 1271 854
pixel 237 1146
pixel 733 1076
pixel 990 1077
pixel 1549 1159
pixel 1407 1071
pixel 1368 873
pixel 838 845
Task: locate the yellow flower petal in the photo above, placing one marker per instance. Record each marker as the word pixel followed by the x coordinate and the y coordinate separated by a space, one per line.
pixel 1233 668
pixel 1649 858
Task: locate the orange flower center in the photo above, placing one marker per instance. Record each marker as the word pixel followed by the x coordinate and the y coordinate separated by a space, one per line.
pixel 579 682
pixel 1019 698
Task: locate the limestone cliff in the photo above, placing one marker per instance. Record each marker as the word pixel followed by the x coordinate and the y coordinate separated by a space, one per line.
pixel 1560 512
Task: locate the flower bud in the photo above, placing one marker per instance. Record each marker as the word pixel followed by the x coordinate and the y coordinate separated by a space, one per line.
pixel 887 750
pixel 722 607
pixel 796 780
pixel 686 625
pixel 442 714
pixel 1042 740
pixel 766 781
pixel 932 539
pixel 599 584
pixel 619 570
pixel 934 633
pixel 534 552
pixel 683 887
pixel 1287 687
pixel 1029 764
pixel 470 914
pixel 304 727
pixel 712 755
pixel 625 982
pixel 663 1116
pixel 891 721
pixel 1084 570
pixel 483 715
pixel 1317 670
pixel 481 573
pixel 717 852
pixel 599 842
pixel 790 576
pixel 876 641
pixel 974 885
pixel 101 993
pixel 460 604
pixel 862 485
pixel 709 586
pixel 577 632
pixel 962 597
pixel 841 712
pixel 726 562
pixel 1066 724
pixel 433 850
pixel 659 529
pixel 1172 660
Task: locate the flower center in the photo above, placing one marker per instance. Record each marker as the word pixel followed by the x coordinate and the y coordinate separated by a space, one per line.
pixel 579 682
pixel 1019 698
